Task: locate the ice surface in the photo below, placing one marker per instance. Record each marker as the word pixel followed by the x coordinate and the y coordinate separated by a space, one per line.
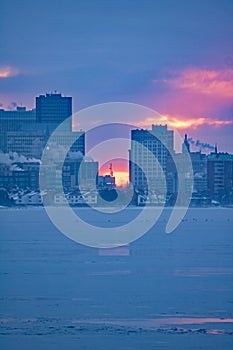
pixel 170 291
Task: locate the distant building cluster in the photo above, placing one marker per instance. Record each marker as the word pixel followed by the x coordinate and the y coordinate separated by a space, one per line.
pixel 152 162
pixel 27 131
pixel 212 174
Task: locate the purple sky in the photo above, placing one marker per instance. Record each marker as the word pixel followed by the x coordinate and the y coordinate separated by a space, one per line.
pixel 173 56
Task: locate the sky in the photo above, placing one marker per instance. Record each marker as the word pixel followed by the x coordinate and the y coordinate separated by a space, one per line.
pixel 173 56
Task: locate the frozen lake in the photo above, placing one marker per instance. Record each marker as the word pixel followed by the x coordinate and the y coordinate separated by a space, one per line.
pixel 162 292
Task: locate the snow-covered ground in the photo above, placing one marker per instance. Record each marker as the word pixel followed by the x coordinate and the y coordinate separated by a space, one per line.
pixel 163 291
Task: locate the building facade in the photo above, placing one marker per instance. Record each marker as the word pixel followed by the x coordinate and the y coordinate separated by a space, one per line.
pixel 81 173
pixel 27 131
pixel 28 143
pixel 13 121
pixel 19 176
pixel 53 107
pixel 146 146
pixel 220 176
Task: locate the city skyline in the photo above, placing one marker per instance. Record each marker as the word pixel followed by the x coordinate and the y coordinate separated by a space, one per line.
pixel 172 57
pixel 54 107
pixel 116 174
pixel 157 173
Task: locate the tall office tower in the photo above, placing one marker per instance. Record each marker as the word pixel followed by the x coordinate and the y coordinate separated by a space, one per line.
pixel 220 176
pixel 53 108
pixel 27 131
pixel 146 146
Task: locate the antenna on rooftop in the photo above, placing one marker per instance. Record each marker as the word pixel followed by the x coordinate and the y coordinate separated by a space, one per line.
pixel 111 171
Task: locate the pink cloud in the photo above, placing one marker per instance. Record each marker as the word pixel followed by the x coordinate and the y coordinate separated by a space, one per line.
pixel 217 83
pixel 8 71
pixel 192 92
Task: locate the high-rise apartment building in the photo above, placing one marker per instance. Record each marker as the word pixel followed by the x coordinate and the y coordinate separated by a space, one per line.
pixel 146 146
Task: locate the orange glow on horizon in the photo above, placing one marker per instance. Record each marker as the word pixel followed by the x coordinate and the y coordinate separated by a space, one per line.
pixel 122 178
pixel 120 171
pixel 184 122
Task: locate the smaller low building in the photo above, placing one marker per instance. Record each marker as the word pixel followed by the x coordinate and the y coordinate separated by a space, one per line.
pixel 30 198
pixel 76 198
pixel 151 199
pixel 106 182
